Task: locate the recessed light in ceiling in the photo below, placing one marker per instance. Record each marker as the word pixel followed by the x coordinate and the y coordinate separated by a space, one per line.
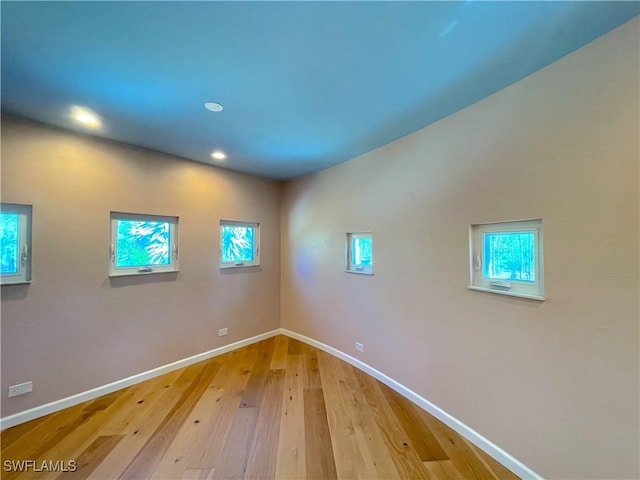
pixel 213 106
pixel 85 116
pixel 218 155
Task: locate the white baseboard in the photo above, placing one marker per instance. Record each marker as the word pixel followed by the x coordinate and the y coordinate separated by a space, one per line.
pixel 481 442
pixel 467 432
pixel 42 410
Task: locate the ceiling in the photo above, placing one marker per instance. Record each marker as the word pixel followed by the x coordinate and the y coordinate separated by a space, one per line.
pixel 304 85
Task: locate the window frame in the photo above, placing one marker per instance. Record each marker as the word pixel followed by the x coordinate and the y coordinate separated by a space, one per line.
pixel 514 288
pixel 174 250
pixel 256 244
pixel 25 216
pixel 349 266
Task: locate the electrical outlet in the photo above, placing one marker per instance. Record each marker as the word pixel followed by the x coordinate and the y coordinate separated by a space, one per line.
pixel 20 389
pixel 222 332
pixel 359 347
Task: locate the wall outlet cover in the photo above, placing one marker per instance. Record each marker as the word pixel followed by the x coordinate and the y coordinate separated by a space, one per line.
pixel 20 389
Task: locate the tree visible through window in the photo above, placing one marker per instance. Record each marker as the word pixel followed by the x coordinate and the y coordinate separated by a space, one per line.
pixel 507 258
pixel 15 243
pixel 359 253
pixel 510 255
pixel 361 248
pixel 239 244
pixel 10 242
pixel 143 244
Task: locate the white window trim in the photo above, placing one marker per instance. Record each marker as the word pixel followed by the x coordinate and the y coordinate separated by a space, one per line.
pixel 360 269
pixel 513 288
pixel 24 213
pixel 146 270
pixel 256 244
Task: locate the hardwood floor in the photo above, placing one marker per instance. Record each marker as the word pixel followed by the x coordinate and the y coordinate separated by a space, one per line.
pixel 274 409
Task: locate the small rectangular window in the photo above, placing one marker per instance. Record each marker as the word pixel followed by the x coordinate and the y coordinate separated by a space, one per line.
pixel 359 253
pixel 507 258
pixel 142 244
pixel 15 243
pixel 239 244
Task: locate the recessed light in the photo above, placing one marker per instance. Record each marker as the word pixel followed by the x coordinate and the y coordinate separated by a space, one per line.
pixel 85 117
pixel 213 106
pixel 218 155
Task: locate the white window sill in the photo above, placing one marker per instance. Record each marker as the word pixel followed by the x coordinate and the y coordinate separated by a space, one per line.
pixel 360 272
pixel 136 274
pixel 239 265
pixel 18 282
pixel 528 296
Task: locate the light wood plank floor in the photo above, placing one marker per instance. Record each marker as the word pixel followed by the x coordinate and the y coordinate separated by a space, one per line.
pixel 275 409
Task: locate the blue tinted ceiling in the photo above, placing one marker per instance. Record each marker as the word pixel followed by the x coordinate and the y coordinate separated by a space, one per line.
pixel 305 85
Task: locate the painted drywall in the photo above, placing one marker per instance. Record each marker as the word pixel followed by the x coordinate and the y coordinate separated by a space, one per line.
pixel 73 328
pixel 555 384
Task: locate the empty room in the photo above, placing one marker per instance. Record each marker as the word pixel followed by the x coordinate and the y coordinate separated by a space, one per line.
pixel 320 240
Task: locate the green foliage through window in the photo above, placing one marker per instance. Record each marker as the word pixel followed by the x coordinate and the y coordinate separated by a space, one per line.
pixel 9 243
pixel 510 256
pixel 237 243
pixel 142 244
pixel 361 251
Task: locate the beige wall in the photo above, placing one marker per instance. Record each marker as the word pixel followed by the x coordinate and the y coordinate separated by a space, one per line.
pixel 555 383
pixel 73 329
